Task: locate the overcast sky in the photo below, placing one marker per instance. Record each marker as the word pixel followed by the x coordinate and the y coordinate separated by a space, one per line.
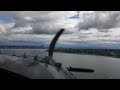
pixel 96 28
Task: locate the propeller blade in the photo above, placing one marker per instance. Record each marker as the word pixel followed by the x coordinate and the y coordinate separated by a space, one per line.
pixel 53 43
pixel 80 70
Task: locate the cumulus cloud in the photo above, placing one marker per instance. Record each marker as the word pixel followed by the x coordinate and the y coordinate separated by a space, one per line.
pixel 93 27
pixel 47 22
pixel 5 27
pixel 100 20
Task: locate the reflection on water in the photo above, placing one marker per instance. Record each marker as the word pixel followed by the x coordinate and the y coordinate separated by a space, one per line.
pixel 104 67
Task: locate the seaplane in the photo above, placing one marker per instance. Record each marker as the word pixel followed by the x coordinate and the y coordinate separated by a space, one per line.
pixel 23 67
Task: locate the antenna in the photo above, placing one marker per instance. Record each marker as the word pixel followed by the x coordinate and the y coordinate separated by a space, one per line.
pixel 24 55
pixel 13 54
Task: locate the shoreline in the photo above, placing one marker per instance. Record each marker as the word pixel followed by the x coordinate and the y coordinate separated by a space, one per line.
pixel 115 53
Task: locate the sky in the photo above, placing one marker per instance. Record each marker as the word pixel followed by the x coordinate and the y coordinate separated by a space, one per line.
pixel 82 28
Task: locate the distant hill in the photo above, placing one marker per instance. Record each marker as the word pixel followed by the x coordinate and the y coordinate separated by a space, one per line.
pixel 16 43
pixel 20 44
pixel 101 52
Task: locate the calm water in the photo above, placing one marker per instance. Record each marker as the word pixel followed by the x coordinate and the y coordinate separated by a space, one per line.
pixel 105 67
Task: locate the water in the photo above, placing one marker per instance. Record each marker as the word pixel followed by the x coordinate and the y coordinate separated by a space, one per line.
pixel 104 67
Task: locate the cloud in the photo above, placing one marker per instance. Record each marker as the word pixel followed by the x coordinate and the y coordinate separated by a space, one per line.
pixel 5 27
pixel 93 27
pixel 100 19
pixel 43 22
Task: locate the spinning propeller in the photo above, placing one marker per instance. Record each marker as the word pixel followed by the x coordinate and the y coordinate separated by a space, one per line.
pixel 50 55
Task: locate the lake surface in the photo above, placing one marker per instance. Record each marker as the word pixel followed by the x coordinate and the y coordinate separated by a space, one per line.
pixel 104 67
